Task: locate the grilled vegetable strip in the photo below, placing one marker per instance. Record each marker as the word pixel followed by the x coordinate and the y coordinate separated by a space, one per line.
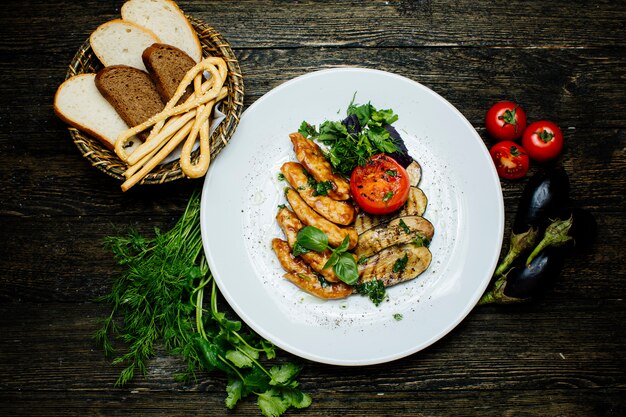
pixel 311 157
pixel 291 225
pixel 391 266
pixel 396 232
pixel 302 276
pixel 309 217
pixel 415 206
pixel 339 212
pixel 415 173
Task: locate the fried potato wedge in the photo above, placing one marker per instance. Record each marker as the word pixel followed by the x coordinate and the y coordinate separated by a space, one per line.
pixel 310 217
pixel 339 212
pixel 311 157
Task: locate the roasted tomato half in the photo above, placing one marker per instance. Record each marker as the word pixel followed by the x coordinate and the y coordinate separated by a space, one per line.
pixel 380 186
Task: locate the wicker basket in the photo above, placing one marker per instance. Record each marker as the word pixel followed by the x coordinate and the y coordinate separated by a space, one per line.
pixel 85 61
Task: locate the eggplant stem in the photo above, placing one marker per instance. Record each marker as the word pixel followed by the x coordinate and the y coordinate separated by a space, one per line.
pixel 556 235
pixel 487 298
pixel 520 243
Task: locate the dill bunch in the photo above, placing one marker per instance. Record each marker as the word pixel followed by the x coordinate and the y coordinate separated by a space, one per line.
pixel 159 300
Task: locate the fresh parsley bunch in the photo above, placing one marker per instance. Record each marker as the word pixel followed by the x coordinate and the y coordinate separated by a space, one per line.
pixel 353 140
pixel 159 299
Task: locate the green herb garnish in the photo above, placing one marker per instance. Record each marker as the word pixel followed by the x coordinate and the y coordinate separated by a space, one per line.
pixel 348 148
pixel 421 241
pixel 342 262
pixel 392 172
pixel 388 196
pixel 405 228
pixel 400 263
pixel 322 188
pixel 375 290
pixel 397 317
pixel 159 300
pixel 281 176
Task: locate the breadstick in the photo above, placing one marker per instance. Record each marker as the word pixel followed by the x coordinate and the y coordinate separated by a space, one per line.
pixel 201 126
pixel 166 150
pixel 146 147
pixel 208 64
pixel 161 117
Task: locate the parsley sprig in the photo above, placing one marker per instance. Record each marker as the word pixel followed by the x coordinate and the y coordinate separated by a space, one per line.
pixel 159 299
pixel 352 141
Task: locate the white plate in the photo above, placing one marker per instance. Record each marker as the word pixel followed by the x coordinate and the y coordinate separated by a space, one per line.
pixel 242 191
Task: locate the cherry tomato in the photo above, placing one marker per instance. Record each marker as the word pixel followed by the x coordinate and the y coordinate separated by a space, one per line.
pixel 543 140
pixel 511 160
pixel 380 186
pixel 505 120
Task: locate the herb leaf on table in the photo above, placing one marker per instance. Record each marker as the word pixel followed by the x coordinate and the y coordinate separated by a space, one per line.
pixel 159 300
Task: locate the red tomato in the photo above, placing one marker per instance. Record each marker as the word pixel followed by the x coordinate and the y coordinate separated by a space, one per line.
pixel 505 120
pixel 381 185
pixel 511 159
pixel 543 140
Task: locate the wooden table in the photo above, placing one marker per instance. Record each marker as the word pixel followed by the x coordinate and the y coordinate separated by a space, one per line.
pixel 562 355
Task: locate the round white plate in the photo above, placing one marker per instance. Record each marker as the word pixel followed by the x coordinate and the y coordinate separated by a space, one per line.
pixel 242 191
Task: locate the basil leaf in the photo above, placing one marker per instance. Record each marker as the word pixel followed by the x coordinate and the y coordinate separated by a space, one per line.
pixel 344 245
pixel 298 249
pixel 312 238
pixel 332 260
pixel 346 269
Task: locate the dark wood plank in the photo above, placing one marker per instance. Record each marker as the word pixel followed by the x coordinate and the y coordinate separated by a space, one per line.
pixel 540 403
pixel 534 359
pixel 375 24
pixel 562 355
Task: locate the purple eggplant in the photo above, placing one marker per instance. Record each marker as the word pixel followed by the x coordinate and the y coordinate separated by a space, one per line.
pixel 544 198
pixel 529 277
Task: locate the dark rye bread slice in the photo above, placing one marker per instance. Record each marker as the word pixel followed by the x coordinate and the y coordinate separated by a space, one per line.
pixel 167 66
pixel 130 91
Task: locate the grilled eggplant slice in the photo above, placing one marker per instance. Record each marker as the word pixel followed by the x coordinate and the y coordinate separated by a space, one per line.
pixel 291 225
pixel 340 212
pixel 415 206
pixel 415 173
pixel 299 273
pixel 396 232
pixel 395 264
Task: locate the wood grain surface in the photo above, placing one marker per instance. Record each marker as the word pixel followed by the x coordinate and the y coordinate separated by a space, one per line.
pixel 561 355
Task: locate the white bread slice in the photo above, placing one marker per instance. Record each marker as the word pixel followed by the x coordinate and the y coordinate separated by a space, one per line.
pixel 167 21
pixel 119 42
pixel 79 103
